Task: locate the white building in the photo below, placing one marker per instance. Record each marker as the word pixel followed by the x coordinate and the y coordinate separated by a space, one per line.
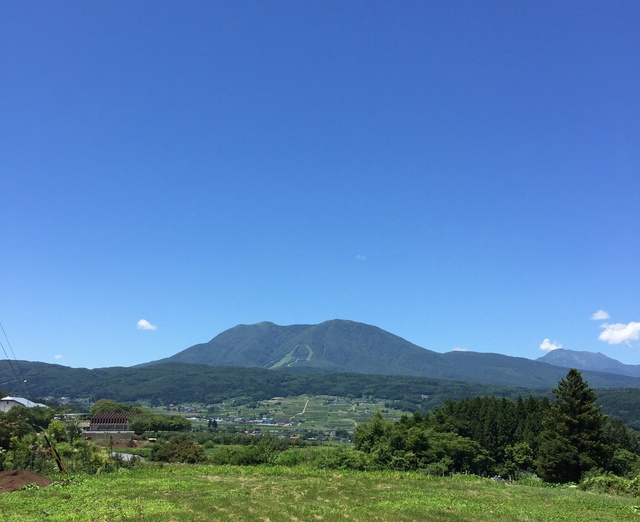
pixel 6 403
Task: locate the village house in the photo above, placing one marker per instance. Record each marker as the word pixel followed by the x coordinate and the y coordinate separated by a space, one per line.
pixel 6 403
pixel 110 422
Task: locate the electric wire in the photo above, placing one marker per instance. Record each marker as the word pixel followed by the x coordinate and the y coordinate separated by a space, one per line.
pixel 21 377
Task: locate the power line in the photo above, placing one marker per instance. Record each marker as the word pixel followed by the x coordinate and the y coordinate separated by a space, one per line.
pixel 20 377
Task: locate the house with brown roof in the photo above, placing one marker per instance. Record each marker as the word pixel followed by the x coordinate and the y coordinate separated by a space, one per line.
pixel 110 422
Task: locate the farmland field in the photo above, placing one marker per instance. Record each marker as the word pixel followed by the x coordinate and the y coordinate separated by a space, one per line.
pixel 277 494
pixel 314 412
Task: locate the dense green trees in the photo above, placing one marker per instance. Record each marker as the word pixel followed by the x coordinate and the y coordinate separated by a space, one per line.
pixel 151 422
pixel 111 406
pixel 19 421
pixel 481 435
pixel 559 440
pixel 417 443
pixel 507 430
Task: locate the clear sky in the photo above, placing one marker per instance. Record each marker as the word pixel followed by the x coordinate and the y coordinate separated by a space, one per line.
pixel 463 174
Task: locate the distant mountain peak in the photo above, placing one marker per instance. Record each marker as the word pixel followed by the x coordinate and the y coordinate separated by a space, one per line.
pixel 593 361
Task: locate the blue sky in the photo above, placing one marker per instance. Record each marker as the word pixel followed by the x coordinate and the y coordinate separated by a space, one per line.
pixel 462 174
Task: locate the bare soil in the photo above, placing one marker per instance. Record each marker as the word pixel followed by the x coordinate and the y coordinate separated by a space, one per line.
pixel 14 479
pixel 121 443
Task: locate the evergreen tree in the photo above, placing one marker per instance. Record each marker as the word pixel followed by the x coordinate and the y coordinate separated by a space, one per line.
pixel 572 440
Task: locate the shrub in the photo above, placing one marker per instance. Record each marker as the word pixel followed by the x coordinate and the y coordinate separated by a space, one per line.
pixel 344 458
pixel 178 449
pixel 263 451
pixel 611 484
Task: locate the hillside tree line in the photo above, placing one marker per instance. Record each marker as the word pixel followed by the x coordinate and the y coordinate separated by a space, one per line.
pixel 559 440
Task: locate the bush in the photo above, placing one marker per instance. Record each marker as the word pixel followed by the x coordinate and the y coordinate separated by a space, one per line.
pixel 292 457
pixel 178 449
pixel 344 458
pixel 29 453
pixel 32 453
pixel 264 451
pixel 623 462
pixel 611 484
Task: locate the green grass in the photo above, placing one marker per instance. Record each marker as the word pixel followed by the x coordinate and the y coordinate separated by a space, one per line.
pixel 284 361
pixel 276 494
pixel 291 357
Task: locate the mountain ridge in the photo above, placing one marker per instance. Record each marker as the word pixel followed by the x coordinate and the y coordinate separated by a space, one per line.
pixel 335 345
pixel 594 361
pixel 344 346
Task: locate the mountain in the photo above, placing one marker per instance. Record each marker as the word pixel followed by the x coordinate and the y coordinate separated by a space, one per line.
pixel 589 361
pixel 267 359
pixel 338 346
pixel 351 347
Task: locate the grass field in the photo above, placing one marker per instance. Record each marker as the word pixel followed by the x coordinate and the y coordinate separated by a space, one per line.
pixel 276 494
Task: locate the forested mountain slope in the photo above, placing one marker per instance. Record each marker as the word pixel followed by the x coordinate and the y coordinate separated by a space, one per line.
pixel 348 346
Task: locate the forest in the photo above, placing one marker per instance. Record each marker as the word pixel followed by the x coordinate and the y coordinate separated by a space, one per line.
pixel 560 440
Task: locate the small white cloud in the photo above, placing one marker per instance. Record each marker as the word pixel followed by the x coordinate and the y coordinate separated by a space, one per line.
pixel 360 257
pixel 143 324
pixel 600 315
pixel 460 349
pixel 619 333
pixel 57 356
pixel 548 345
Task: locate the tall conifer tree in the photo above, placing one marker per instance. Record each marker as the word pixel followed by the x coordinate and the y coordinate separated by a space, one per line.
pixel 572 441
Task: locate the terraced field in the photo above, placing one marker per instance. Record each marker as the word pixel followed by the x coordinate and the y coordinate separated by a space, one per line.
pixel 317 412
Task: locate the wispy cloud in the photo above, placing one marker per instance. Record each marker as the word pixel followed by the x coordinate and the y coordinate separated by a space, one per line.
pixel 143 324
pixel 620 333
pixel 548 345
pixel 57 357
pixel 360 257
pixel 600 315
pixel 460 349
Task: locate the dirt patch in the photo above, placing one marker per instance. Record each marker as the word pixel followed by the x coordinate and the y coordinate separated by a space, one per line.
pixel 120 443
pixel 14 479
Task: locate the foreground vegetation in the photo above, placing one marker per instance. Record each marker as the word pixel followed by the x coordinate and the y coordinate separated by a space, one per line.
pixel 423 466
pixel 275 493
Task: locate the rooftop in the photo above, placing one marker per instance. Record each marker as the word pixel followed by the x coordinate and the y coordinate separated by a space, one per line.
pixel 24 402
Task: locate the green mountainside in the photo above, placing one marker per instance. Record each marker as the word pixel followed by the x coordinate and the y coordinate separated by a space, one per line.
pixel 163 384
pixel 179 382
pixel 351 347
pixel 337 345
